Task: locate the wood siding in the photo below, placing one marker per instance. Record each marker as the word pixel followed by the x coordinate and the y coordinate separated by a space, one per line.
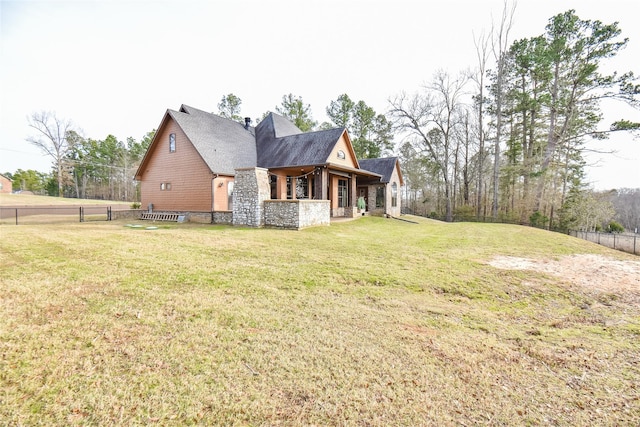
pixel 188 175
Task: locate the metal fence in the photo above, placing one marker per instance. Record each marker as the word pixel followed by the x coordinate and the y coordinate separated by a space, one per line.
pixel 623 242
pixel 53 214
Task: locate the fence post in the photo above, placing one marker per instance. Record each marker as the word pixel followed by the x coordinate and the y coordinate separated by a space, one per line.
pixel 108 213
pixel 81 214
pixel 16 216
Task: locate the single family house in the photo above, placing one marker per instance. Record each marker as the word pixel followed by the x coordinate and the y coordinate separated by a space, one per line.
pixel 272 174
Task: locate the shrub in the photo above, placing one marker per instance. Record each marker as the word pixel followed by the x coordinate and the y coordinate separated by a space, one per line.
pixel 614 227
pixel 136 205
pixel 538 220
pixel 464 213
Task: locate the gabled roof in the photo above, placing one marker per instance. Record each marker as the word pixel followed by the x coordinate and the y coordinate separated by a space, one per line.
pixel 223 144
pixel 275 126
pixel 281 144
pixel 383 166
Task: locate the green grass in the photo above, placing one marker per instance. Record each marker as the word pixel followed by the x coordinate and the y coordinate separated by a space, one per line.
pixel 369 322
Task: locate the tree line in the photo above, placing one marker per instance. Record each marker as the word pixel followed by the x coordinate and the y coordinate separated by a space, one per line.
pixel 504 141
pixel 82 167
pixel 508 143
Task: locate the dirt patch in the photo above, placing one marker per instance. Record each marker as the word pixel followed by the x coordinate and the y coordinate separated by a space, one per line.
pixel 594 272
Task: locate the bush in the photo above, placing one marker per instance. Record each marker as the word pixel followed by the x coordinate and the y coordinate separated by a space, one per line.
pixel 614 227
pixel 136 205
pixel 464 213
pixel 538 220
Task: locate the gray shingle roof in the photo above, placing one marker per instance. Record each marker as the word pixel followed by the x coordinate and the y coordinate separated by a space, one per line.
pixel 383 166
pixel 280 143
pixel 223 144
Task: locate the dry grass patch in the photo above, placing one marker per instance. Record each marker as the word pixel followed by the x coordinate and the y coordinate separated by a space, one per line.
pixel 371 322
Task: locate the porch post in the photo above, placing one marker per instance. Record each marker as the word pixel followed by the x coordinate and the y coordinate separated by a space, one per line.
pixel 320 182
pixel 281 185
pixel 294 188
pixel 352 191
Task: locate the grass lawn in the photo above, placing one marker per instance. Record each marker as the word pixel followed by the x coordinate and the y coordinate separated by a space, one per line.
pixel 369 322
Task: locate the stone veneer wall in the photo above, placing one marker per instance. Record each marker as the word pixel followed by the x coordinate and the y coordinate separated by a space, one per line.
pixel 250 190
pixel 223 217
pixel 128 214
pixel 296 214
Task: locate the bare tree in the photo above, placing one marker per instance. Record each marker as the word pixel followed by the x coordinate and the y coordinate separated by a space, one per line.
pixel 626 202
pixel 500 46
pixel 482 45
pixel 51 139
pixel 431 118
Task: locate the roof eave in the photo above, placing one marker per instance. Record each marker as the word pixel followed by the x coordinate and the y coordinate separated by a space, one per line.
pixel 352 170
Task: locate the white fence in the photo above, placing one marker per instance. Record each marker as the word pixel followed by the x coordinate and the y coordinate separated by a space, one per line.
pixel 622 242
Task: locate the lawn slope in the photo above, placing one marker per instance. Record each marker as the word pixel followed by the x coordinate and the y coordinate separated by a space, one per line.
pixel 369 322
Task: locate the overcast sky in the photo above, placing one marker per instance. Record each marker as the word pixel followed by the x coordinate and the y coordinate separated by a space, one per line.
pixel 114 67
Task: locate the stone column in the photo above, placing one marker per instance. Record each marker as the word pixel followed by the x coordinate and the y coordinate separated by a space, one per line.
pixel 251 189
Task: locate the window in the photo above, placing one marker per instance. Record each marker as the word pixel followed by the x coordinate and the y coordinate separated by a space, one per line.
pixel 273 183
pixel 394 195
pixel 172 143
pixel 343 193
pixel 380 197
pixel 165 186
pixel 341 154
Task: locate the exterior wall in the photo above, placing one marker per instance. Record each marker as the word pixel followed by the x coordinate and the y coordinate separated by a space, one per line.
pixel 351 209
pixel 344 146
pixel 221 187
pixel 296 214
pixel 371 201
pixel 184 169
pixel 394 210
pixel 251 189
pixel 388 209
pixel 6 186
pixel 223 217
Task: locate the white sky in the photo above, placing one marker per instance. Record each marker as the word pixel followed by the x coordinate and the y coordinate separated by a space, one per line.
pixel 114 67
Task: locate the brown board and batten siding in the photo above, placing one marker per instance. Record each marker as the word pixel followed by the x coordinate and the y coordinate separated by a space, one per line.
pixel 186 177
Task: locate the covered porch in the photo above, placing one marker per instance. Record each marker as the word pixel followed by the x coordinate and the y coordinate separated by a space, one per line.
pixel 332 182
